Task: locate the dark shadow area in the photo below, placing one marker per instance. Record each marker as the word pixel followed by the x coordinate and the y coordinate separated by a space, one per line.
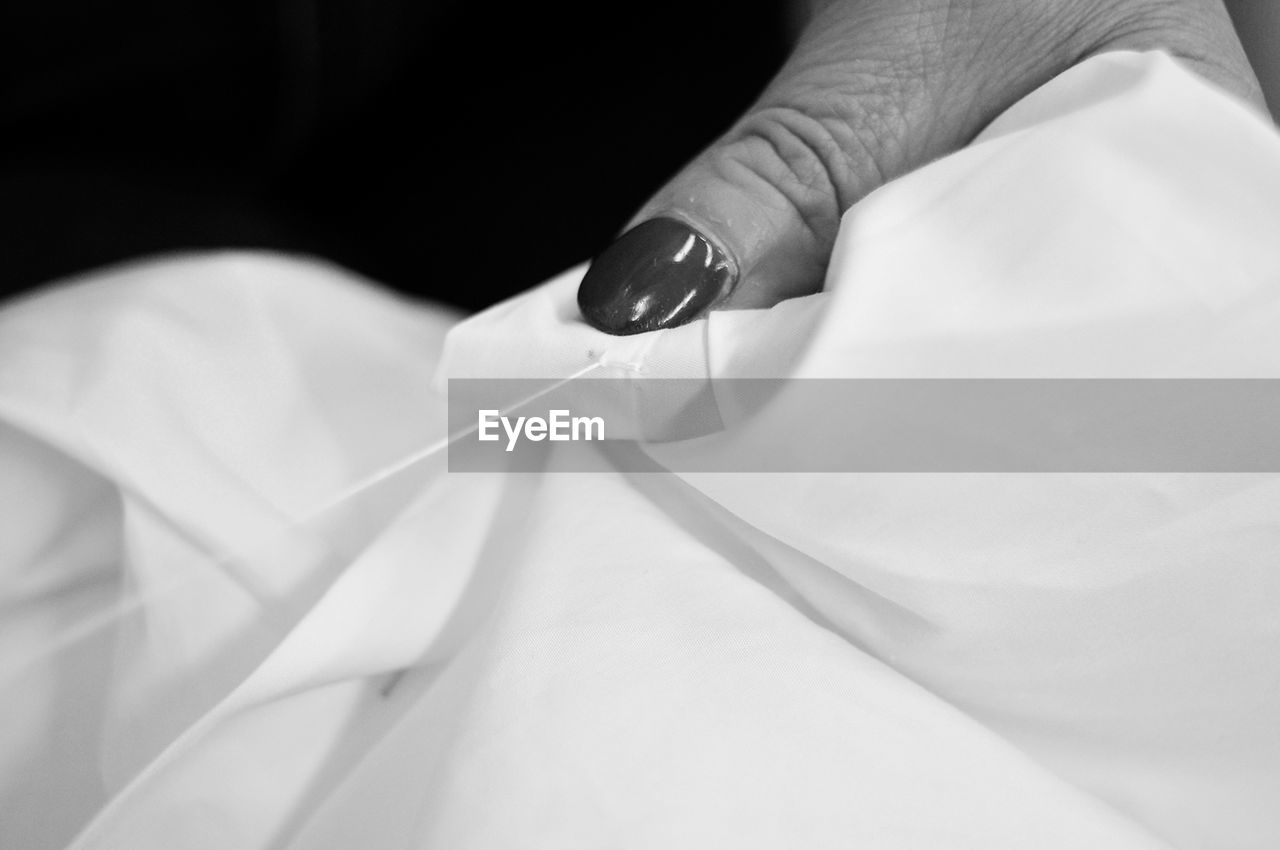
pixel 456 151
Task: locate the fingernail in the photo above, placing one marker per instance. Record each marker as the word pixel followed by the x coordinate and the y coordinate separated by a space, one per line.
pixel 659 274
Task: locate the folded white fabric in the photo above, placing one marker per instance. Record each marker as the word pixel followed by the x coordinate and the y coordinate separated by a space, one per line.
pixel 233 620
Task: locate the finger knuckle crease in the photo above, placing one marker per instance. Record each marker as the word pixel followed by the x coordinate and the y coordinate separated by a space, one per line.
pixel 803 159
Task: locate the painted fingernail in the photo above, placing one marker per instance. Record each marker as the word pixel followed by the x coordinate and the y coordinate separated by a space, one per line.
pixel 659 274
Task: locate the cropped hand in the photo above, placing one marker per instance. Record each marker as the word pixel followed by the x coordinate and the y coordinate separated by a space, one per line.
pixel 873 89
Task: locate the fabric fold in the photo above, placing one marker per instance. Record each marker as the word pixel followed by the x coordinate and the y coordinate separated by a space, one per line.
pixel 246 603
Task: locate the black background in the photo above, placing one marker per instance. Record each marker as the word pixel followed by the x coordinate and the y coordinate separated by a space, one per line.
pixel 457 151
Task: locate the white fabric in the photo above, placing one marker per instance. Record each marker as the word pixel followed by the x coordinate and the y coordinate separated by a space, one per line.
pixel 210 592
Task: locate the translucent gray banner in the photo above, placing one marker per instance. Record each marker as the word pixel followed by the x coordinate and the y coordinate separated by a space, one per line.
pixel 866 425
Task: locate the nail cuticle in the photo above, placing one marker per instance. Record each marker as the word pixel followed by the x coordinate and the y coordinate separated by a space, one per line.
pixel 704 229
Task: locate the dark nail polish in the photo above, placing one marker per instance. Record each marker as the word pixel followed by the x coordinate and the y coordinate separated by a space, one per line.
pixel 659 274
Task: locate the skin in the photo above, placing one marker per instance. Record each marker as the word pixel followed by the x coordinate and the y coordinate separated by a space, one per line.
pixel 876 88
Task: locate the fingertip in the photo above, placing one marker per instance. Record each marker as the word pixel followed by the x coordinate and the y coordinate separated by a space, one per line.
pixel 659 274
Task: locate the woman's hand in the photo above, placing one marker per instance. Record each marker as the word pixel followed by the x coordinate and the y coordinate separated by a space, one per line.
pixel 873 89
